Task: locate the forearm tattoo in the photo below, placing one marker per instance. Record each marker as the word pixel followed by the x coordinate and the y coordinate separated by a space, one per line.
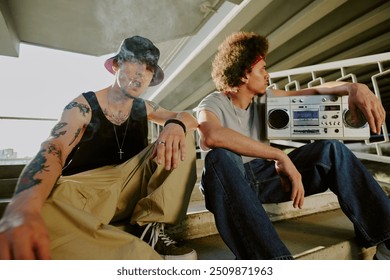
pixel 37 165
pixel 154 106
pixel 57 127
pixel 84 109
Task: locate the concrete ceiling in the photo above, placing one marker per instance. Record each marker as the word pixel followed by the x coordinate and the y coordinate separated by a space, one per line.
pixel 301 32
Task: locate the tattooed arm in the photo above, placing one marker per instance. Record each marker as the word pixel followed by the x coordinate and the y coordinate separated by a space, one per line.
pixel 23 233
pixel 172 135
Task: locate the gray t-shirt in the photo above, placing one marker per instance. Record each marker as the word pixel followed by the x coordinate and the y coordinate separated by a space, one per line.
pixel 249 122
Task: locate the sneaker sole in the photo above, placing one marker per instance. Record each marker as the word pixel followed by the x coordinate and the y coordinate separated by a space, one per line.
pixel 382 253
pixel 192 256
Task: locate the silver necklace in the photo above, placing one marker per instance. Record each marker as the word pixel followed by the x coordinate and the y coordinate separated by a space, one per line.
pixel 120 152
pixel 120 147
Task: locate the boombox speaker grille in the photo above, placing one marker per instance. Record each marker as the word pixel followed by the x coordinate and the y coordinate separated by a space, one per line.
pixel 278 118
pixel 360 121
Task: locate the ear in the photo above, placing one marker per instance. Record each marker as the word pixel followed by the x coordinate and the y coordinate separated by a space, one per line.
pixel 115 65
pixel 244 79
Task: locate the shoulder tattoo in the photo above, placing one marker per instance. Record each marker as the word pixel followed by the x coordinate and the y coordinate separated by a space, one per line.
pixel 84 109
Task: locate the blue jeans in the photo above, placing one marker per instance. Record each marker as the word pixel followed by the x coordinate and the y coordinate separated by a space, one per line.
pixel 234 193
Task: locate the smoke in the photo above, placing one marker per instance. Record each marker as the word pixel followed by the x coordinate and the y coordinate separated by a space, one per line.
pixel 158 20
pixel 120 19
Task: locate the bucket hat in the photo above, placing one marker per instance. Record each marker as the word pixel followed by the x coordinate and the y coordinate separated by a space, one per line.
pixel 138 49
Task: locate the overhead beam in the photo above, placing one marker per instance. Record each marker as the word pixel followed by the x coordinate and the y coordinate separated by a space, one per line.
pixel 304 19
pixel 373 18
pixel 9 43
pixel 203 48
pixel 208 87
pixel 363 48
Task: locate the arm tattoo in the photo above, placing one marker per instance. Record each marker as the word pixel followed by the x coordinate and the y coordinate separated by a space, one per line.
pixel 154 106
pixel 58 126
pixel 52 150
pixel 84 109
pixel 36 166
pixel 77 133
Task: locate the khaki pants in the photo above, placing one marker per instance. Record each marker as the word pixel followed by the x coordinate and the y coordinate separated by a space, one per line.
pixel 81 207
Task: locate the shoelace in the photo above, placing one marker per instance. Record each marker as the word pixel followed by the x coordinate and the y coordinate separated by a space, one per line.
pixel 157 232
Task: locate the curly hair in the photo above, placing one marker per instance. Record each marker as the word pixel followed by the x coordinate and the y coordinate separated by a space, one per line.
pixel 235 57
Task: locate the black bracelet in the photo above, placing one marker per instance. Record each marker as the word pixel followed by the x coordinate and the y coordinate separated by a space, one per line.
pixel 176 121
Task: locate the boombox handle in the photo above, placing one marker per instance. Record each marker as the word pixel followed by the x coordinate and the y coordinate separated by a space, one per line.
pixel 377 93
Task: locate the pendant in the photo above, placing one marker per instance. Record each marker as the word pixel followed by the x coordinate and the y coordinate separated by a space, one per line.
pixel 120 153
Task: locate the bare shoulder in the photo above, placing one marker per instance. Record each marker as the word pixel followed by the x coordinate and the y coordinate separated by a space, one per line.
pixel 79 105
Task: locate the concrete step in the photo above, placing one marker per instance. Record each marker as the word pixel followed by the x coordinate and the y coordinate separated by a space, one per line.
pixel 323 236
pixel 319 231
pixel 200 222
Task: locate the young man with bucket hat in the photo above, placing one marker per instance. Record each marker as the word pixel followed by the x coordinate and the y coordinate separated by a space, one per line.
pixel 97 168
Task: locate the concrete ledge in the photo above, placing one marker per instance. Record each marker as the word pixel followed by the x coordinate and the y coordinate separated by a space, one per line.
pixel 313 204
pixel 200 222
pixel 323 236
pixel 345 250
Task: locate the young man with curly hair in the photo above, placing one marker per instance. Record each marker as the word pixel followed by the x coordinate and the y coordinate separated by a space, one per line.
pixel 242 171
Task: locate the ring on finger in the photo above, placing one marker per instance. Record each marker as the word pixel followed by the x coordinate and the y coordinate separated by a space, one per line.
pixel 161 143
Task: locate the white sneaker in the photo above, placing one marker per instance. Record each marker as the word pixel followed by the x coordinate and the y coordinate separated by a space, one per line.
pixel 382 253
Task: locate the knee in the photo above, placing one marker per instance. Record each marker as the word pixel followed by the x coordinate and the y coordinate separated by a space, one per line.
pixel 336 151
pixel 334 145
pixel 220 155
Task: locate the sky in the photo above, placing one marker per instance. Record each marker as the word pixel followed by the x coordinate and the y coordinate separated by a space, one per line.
pixel 39 84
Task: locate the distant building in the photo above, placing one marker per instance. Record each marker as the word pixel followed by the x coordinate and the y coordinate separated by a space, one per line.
pixel 8 154
pixel 10 157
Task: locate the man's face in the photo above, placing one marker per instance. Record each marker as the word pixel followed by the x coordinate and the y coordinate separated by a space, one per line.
pixel 133 78
pixel 258 77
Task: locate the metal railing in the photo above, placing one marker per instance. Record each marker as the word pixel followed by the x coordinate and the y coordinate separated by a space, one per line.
pixel 368 70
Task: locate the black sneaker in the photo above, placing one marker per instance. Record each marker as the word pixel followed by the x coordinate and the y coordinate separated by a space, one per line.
pixel 382 252
pixel 165 246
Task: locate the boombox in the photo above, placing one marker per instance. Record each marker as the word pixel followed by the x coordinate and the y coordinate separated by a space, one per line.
pixel 313 117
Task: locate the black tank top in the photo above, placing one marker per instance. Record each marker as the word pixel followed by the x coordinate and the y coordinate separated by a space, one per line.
pixel 98 146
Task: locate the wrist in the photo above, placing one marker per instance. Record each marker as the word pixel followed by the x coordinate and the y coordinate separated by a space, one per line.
pixel 178 122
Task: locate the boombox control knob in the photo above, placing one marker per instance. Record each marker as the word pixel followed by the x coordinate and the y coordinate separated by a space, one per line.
pixel 278 118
